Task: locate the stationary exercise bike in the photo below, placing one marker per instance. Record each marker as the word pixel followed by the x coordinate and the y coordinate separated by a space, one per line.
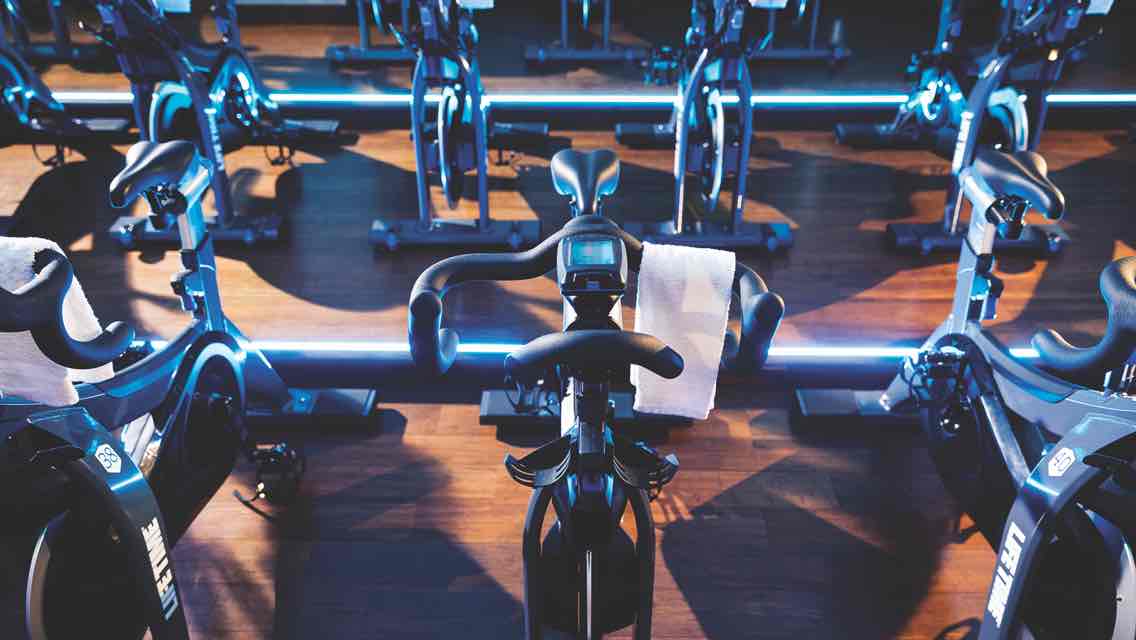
pixel 209 93
pixel 180 413
pixel 366 53
pixel 835 51
pixel 445 41
pixel 65 458
pixel 713 65
pixel 587 576
pixel 30 114
pixel 931 114
pixel 15 31
pixel 571 46
pixel 1013 81
pixel 1043 462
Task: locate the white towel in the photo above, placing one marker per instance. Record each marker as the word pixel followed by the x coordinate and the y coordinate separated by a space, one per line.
pixel 24 370
pixel 683 300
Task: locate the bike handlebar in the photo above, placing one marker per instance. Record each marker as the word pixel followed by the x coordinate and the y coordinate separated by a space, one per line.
pixel 434 348
pixel 593 352
pixel 38 307
pixel 1118 288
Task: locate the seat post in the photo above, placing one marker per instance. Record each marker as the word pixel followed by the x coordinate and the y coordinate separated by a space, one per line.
pixel 196 284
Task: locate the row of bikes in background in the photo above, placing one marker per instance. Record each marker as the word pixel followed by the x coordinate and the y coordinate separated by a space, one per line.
pixel 211 93
pixel 1041 459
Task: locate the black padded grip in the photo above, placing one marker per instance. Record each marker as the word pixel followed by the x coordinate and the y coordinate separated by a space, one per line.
pixel 761 313
pixel 595 352
pixel 38 307
pixel 1118 288
pixel 434 348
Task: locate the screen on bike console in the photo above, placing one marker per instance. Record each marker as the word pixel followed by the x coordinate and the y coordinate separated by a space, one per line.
pixel 592 252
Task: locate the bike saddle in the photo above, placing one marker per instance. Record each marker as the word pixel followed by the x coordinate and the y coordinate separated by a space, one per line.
pixel 587 177
pixel 1021 174
pixel 1118 288
pixel 149 165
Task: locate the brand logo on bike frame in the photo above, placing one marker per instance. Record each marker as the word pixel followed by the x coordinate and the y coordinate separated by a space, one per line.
pixel 108 458
pixel 1061 461
pixel 160 564
pixel 1004 574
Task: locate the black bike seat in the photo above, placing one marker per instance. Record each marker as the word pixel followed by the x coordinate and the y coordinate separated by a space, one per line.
pixel 1022 174
pixel 587 177
pixel 148 165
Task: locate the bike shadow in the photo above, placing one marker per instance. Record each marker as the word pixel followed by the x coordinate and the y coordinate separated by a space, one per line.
pixel 825 542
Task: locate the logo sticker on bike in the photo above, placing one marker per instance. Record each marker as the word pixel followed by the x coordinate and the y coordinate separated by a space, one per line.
pixel 1004 575
pixel 160 564
pixel 108 458
pixel 215 138
pixel 1061 461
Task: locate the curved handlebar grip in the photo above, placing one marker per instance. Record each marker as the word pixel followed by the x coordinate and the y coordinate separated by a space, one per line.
pixel 434 348
pixel 38 307
pixel 593 351
pixel 761 313
pixel 1118 288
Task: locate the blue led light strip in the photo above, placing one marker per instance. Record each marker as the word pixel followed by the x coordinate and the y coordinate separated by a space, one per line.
pixel 1080 99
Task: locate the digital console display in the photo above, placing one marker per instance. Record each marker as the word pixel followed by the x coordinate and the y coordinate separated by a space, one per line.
pixel 600 251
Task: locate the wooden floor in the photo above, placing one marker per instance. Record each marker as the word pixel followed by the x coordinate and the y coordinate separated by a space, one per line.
pixel 411 528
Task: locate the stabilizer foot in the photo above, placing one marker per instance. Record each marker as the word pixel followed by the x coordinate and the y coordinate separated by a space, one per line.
pixel 1037 240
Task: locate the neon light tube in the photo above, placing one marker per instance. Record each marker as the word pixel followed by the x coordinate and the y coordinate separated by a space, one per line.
pixel 94 97
pixel 603 99
pixel 1092 98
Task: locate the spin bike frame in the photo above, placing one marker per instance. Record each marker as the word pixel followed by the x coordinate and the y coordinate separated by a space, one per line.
pixel 588 350
pixel 366 53
pixel 447 58
pixel 720 67
pixel 14 29
pixel 1090 424
pixel 588 448
pixel 33 437
pixel 33 116
pixel 41 119
pixel 564 51
pixel 142 386
pixel 931 114
pixel 834 53
pixel 1015 80
pixel 150 52
pixel 231 108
